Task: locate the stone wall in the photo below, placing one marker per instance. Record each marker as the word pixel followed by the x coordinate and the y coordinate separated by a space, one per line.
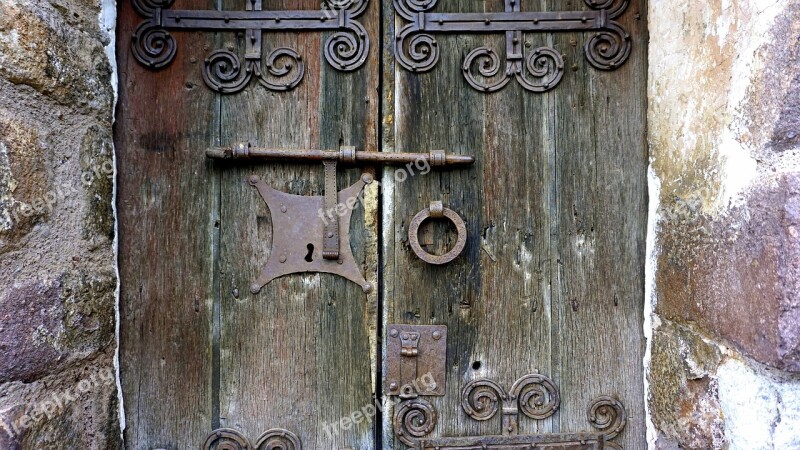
pixel 724 255
pixel 724 270
pixel 57 273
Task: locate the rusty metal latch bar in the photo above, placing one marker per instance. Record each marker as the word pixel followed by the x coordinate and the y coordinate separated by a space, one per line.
pixel 346 49
pixel 347 155
pixel 305 226
pixel 541 70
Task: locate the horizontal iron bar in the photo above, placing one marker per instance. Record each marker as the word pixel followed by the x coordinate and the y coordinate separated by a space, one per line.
pixel 280 154
pixel 241 20
pixel 512 21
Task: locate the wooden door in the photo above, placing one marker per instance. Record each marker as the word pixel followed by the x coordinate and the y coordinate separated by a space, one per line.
pixel 550 280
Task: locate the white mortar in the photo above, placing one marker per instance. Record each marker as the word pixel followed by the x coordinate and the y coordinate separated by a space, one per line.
pixel 108 23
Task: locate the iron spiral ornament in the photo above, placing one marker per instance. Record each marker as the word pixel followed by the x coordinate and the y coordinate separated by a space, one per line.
pixel 278 439
pixel 227 72
pixel 272 439
pixel 536 395
pixel 414 419
pixel 607 415
pixel 536 70
pixel 481 398
pixel 226 439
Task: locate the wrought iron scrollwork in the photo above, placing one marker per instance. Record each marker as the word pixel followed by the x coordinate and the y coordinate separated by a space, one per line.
pixel 536 395
pixel 607 415
pixel 278 439
pixel 414 419
pixel 230 439
pixel 226 439
pixel 281 70
pixel 540 70
pixel 481 398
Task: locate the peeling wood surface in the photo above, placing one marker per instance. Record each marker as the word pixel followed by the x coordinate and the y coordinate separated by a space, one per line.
pixel 551 279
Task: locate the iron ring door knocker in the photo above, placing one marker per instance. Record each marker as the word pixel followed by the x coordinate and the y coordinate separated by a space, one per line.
pixel 437 211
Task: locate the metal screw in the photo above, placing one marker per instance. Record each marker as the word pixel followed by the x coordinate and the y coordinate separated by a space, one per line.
pixel 393 386
pixel 437 335
pixel 283 258
pixel 284 208
pixel 393 333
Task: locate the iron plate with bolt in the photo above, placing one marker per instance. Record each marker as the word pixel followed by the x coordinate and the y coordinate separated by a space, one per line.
pixel 415 360
pixel 299 235
pixel 437 211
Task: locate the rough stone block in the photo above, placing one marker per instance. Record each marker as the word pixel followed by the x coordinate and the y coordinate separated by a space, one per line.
pixel 738 275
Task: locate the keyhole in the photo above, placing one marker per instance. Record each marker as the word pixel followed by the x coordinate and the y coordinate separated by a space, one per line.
pixel 310 255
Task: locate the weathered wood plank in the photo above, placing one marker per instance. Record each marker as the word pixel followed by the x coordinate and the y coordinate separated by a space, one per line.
pixel 296 356
pixel 551 279
pixel 167 216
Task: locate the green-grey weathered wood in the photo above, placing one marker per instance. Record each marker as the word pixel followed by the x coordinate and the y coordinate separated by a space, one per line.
pixel 552 275
pixel 167 210
pixel 297 355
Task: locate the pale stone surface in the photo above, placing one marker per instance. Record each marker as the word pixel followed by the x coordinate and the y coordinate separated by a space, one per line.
pixel 724 97
pixel 57 275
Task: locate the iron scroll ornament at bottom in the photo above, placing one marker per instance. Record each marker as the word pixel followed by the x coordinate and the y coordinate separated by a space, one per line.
pixel 437 211
pixel 273 439
pixel 535 396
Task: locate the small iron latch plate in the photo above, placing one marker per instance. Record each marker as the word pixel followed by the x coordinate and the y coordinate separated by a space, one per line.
pixel 415 360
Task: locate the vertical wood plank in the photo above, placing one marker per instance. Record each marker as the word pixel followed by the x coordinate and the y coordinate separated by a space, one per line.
pixel 167 227
pixel 297 355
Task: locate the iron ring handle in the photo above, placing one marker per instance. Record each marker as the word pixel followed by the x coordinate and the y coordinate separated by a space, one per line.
pixel 437 210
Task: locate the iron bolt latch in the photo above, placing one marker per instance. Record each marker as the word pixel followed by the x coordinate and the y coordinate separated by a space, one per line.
pixel 415 360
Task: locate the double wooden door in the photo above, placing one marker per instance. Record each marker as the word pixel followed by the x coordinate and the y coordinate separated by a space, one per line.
pixel 549 287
